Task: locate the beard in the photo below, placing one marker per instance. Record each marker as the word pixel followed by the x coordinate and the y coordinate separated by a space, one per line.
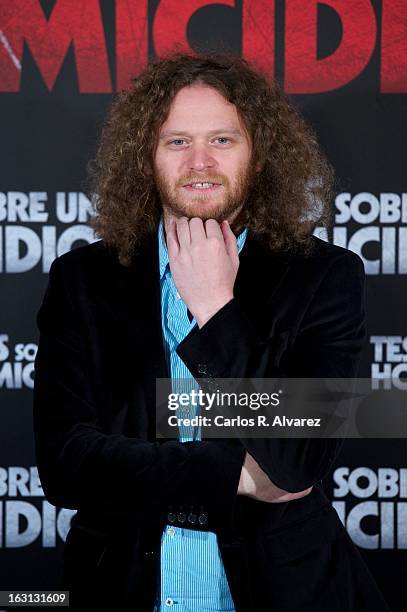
pixel 205 206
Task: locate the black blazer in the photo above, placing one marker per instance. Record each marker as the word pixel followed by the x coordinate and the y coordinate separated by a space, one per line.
pixel 100 351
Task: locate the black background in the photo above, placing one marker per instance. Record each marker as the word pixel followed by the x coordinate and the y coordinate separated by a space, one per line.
pixel 47 137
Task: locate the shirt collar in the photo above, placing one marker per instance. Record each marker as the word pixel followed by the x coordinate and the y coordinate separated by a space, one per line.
pixel 163 251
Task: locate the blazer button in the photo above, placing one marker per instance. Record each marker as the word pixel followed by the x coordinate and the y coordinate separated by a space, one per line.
pixel 171 517
pixel 192 518
pixel 203 518
pixel 202 368
pixel 181 517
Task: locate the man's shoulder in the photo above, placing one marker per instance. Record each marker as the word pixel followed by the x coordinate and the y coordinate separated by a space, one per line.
pixel 316 261
pixel 87 259
pixel 318 257
pixel 88 253
pixel 328 261
pixel 326 253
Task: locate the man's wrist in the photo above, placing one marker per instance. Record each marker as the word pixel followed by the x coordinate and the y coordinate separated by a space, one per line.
pixel 204 315
pixel 246 486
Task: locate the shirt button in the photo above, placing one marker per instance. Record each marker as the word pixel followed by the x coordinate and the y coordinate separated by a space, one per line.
pixel 178 296
pixel 171 531
pixel 169 602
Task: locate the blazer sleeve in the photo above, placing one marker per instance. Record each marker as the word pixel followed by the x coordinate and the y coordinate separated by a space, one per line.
pixel 328 345
pixel 80 466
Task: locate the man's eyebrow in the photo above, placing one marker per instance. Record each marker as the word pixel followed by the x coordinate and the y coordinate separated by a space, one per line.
pixel 232 131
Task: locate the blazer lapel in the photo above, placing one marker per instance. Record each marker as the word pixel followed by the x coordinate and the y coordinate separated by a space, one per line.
pixel 259 279
pixel 133 298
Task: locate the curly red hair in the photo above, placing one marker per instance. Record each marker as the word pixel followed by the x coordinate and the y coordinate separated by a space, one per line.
pixel 289 196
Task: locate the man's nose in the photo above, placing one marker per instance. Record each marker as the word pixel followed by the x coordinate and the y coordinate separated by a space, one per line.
pixel 200 158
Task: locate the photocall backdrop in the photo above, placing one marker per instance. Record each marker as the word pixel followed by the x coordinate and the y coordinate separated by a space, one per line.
pixel 344 63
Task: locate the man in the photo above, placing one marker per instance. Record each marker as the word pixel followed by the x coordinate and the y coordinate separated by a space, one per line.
pixel 208 186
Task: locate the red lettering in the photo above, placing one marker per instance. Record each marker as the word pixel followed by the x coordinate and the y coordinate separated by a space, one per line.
pixel 258 38
pixel 79 23
pixel 171 22
pixel 394 46
pixel 131 40
pixel 304 73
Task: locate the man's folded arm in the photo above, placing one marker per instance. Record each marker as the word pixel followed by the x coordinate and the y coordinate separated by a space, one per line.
pixel 328 345
pixel 80 465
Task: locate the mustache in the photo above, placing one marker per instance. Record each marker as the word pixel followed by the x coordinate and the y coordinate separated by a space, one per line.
pixel 208 178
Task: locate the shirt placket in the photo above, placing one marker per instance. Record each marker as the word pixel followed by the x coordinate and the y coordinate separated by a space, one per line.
pixel 179 326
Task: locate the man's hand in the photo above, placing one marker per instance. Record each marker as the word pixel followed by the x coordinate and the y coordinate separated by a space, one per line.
pixel 256 484
pixel 204 261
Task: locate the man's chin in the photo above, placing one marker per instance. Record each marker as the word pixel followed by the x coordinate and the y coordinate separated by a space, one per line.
pixel 203 210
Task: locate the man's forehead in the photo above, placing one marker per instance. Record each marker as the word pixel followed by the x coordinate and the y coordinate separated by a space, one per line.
pixel 197 101
pixel 201 108
pixel 199 91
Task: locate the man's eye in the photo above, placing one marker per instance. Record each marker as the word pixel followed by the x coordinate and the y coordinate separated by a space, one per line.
pixel 177 141
pixel 223 140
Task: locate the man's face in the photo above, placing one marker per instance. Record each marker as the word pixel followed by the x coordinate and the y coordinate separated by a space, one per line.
pixel 202 160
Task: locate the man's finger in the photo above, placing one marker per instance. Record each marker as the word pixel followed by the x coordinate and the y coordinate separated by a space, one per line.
pixel 183 232
pixel 197 229
pixel 213 229
pixel 171 237
pixel 230 241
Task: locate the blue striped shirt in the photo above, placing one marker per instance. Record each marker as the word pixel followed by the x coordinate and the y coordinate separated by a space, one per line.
pixel 193 577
